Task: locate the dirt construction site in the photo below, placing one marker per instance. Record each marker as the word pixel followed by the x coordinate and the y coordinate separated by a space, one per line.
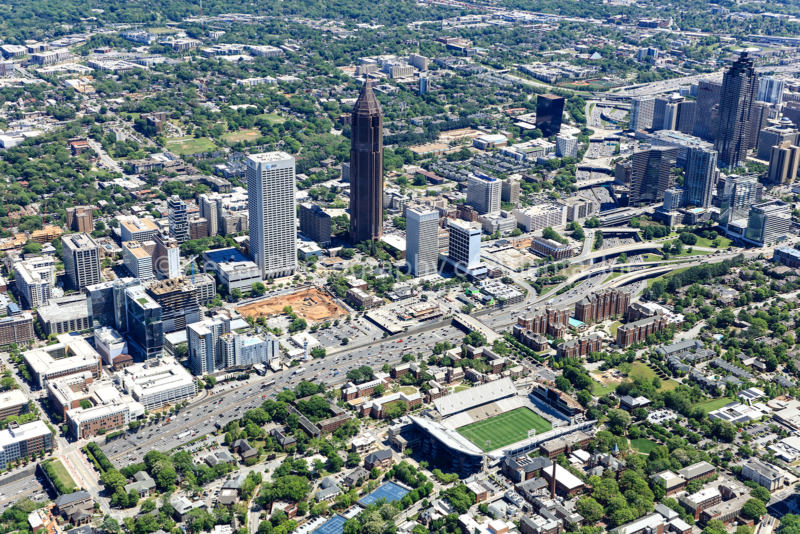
pixel 311 304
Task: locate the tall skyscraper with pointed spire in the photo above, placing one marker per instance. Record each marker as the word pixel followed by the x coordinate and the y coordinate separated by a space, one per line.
pixel 739 90
pixel 366 168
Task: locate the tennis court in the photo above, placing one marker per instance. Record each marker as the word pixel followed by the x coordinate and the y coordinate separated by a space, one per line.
pixel 505 429
pixel 334 525
pixel 389 491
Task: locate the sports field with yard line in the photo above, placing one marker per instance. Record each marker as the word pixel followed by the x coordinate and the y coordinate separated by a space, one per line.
pixel 505 429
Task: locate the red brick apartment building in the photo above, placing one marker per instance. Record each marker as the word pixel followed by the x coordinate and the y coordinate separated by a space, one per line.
pixel 549 320
pixel 637 331
pixel 332 423
pixel 578 348
pixel 602 305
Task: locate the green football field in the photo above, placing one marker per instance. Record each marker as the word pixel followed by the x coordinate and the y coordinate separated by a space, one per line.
pixel 504 429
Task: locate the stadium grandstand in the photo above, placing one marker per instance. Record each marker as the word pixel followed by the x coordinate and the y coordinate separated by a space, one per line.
pixel 478 403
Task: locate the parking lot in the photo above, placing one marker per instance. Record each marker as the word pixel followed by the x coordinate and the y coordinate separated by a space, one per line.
pixel 29 487
pixel 360 329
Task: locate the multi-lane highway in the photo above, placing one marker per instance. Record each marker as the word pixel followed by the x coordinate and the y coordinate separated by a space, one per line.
pixel 229 402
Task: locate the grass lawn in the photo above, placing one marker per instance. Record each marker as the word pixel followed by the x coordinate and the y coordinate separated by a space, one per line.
pixel 643 445
pixel 724 242
pixel 461 388
pixel 670 236
pixel 547 289
pixel 613 329
pixel 243 135
pixel 272 117
pixel 408 390
pixel 504 429
pixel 190 145
pixel 597 388
pixel 61 473
pixel 641 369
pixel 162 30
pixel 715 404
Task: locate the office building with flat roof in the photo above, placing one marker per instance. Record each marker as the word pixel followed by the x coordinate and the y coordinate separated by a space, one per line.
pixel 68 357
pixel 136 259
pixel 232 268
pixel 159 383
pixel 140 230
pixel 541 216
pixel 21 441
pixel 272 213
pixel 65 314
pixel 768 222
pixel 683 142
pixel 641 114
pixel 566 146
pixel 701 166
pixel 81 260
pixel 783 164
pixel 166 257
pixel 483 193
pixel 465 245
pixel 422 238
pixel 549 114
pixel 145 331
pixel 650 176
pixel 782 132
pixel 770 89
pixel 109 344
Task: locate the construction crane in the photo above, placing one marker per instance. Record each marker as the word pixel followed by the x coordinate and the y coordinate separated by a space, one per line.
pixel 190 260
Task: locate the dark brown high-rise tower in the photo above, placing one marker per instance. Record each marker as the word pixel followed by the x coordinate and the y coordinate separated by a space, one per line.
pixel 366 169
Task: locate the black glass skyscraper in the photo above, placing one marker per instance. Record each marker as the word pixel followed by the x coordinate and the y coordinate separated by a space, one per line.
pixel 739 88
pixel 549 111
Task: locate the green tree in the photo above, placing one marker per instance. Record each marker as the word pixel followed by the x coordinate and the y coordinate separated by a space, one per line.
pixel 590 509
pixel 258 289
pixel 761 493
pixel 618 421
pixel 110 525
pixel 753 509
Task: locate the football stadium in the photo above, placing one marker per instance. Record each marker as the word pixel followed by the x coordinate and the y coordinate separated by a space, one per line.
pixel 494 412
pixel 465 421
pixel 479 424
